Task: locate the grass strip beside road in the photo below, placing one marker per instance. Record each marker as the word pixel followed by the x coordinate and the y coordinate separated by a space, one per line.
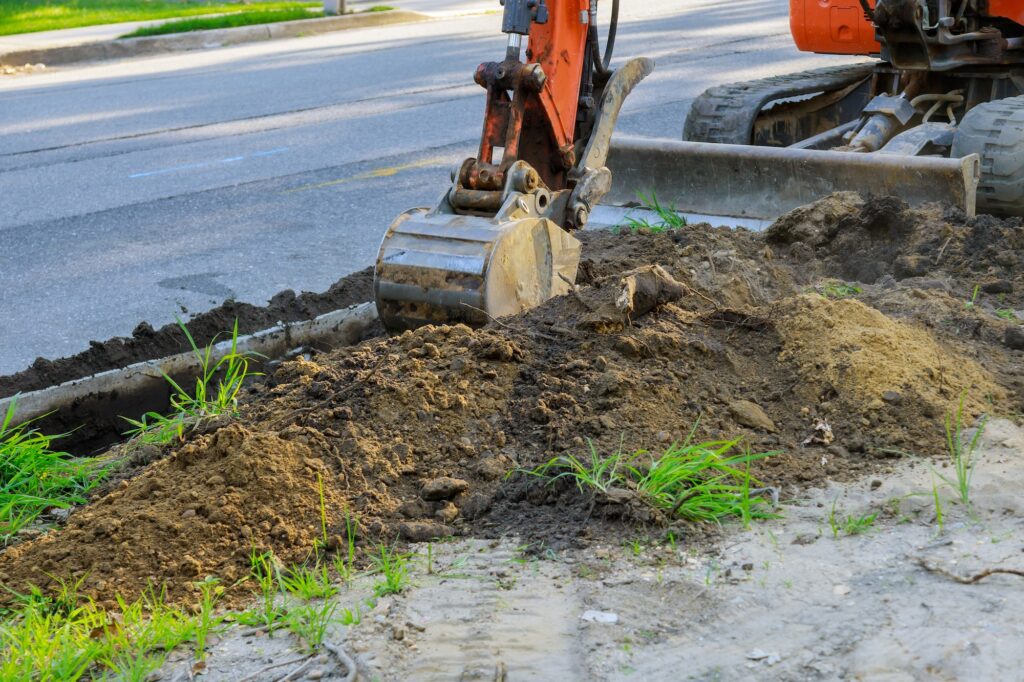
pixel 30 16
pixel 233 20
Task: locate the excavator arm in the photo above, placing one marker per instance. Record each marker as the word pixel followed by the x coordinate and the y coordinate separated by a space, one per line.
pixel 500 239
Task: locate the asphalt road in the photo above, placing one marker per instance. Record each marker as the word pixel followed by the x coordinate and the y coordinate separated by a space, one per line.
pixel 138 190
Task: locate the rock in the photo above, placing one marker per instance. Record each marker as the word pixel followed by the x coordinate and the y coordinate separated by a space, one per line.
pixel 493 468
pixel 999 286
pixel 414 509
pixel 315 674
pixel 423 531
pixel 751 415
pixel 475 506
pixel 447 513
pixel 841 590
pixel 892 397
pixel 1014 338
pixel 600 617
pixel 444 488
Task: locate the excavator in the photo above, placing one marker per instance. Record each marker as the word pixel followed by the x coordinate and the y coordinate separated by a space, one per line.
pixel 935 115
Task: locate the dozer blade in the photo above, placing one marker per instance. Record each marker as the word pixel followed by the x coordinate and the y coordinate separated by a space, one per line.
pixel 440 268
pixel 744 181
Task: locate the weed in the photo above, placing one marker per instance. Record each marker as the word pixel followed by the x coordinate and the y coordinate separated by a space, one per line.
pixel 310 622
pixel 697 482
pixel 839 290
pixel 969 305
pixel 346 565
pixel 668 218
pixel 1006 313
pixel 263 571
pixel 670 539
pixel 635 547
pixel 308 583
pixel 940 517
pixel 206 622
pixel 393 567
pixel 321 542
pixel 66 637
pixel 34 477
pixel 855 525
pixel 600 473
pixel 850 525
pixel 962 452
pixel 216 393
pixel 350 617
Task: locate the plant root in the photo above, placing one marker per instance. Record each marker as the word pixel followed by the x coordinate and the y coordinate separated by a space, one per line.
pixel 344 659
pixel 968 579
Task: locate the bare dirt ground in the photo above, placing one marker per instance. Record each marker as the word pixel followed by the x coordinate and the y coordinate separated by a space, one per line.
pixel 838 341
pixel 784 600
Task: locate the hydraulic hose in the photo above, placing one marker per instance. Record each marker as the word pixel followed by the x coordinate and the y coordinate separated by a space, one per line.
pixel 602 64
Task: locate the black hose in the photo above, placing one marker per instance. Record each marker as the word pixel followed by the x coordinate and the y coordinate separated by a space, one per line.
pixel 868 12
pixel 602 65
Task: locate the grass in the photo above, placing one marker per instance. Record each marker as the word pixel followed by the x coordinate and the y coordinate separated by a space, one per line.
pixel 345 565
pixel 1006 314
pixel 34 477
pixel 248 17
pixel 269 611
pixel 393 568
pixel 67 637
pixel 962 452
pixel 59 635
pixel 667 219
pixel 969 305
pixel 29 16
pixel 702 482
pixel 840 290
pixel 216 393
pixel 940 517
pixel 849 525
pixel 308 582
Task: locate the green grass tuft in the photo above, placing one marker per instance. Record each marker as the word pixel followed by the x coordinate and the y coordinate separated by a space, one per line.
pixel 707 481
pixel 668 218
pixel 216 393
pixel 962 452
pixel 35 478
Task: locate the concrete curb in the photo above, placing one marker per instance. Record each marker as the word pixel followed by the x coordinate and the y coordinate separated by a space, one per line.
pixel 91 406
pixel 202 40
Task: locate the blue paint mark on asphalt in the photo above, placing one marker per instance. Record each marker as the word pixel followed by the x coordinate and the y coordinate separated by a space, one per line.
pixel 208 164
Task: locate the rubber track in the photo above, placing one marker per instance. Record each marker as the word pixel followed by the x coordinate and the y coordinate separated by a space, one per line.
pixel 726 113
pixel 995 131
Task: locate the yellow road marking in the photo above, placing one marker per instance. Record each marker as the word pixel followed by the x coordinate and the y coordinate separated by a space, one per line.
pixel 386 172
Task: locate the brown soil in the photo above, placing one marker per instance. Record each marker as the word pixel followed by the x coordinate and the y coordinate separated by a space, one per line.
pixel 415 434
pixel 147 343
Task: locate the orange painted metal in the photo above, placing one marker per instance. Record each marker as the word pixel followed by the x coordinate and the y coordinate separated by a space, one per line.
pixel 1011 9
pixel 834 26
pixel 559 47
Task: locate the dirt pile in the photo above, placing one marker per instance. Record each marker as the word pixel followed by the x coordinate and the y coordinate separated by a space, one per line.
pixel 415 434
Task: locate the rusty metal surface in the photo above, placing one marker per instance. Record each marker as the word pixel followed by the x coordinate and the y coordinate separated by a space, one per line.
pixel 765 182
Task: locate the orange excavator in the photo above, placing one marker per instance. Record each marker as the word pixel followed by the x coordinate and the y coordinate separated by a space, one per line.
pixel 937 115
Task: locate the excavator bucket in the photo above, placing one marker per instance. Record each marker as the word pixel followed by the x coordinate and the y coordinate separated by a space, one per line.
pixel 745 181
pixel 440 268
